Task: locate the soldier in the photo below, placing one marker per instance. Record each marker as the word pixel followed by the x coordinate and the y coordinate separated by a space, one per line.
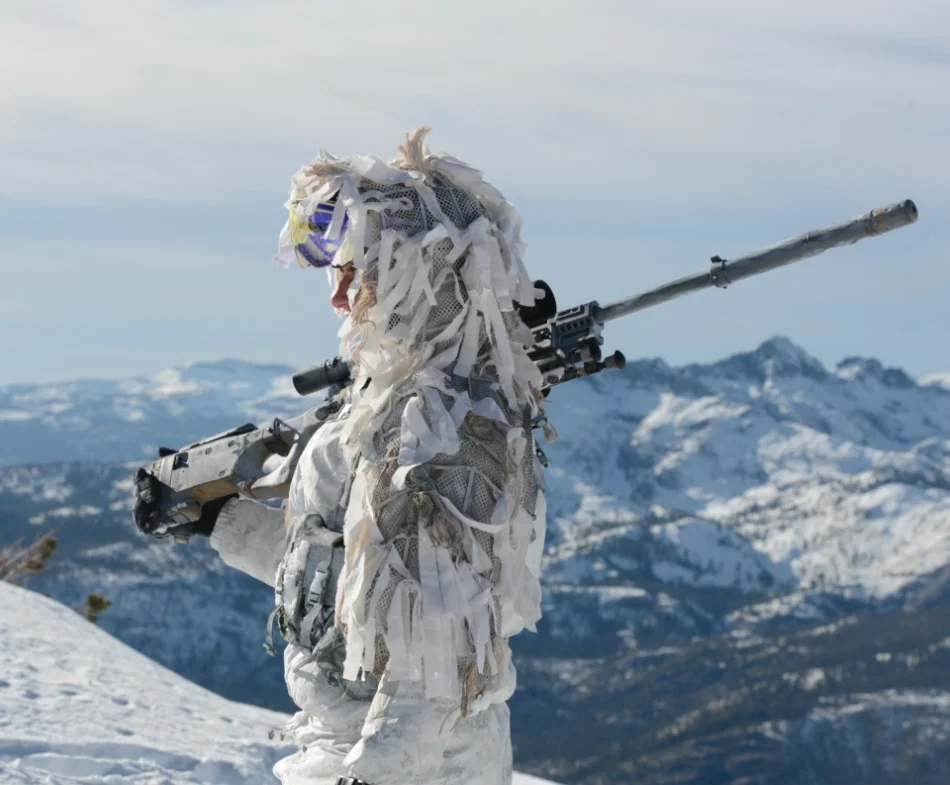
pixel 409 548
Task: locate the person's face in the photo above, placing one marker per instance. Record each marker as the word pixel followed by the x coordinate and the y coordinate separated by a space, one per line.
pixel 344 277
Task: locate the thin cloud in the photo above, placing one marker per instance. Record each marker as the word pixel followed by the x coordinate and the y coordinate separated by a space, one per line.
pixel 638 138
pixel 205 101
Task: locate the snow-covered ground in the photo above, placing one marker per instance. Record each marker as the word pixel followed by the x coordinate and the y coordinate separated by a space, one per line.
pixel 78 707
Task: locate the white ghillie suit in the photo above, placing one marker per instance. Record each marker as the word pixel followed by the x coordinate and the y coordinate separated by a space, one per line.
pixel 431 467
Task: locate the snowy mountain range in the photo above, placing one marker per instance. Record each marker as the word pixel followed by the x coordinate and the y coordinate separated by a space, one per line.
pixel 111 420
pixel 742 557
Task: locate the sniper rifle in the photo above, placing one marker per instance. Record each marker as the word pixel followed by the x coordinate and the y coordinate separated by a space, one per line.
pixel 259 462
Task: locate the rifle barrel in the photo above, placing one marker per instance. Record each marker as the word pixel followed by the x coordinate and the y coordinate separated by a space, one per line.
pixel 725 272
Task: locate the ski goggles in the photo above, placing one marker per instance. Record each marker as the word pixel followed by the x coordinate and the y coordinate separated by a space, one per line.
pixel 308 234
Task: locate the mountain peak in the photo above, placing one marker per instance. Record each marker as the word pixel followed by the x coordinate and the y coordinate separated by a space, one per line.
pixel 780 349
pixel 855 368
pixel 941 380
pixel 778 356
pixel 229 369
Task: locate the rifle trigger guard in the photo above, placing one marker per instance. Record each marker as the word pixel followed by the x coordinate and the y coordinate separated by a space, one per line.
pixel 718 274
pixel 274 440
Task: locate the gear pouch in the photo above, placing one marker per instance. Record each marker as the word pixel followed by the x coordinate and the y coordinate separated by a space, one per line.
pixel 305 588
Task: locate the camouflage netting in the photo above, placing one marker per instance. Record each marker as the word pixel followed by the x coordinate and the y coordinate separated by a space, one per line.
pixel 445 524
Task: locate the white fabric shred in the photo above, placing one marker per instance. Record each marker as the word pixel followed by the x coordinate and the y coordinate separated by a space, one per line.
pixel 444 519
pixel 442 248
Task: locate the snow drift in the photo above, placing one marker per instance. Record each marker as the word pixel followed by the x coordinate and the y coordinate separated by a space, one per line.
pixel 79 706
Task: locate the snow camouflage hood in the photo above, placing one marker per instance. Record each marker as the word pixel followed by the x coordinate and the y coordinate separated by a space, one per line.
pixel 444 527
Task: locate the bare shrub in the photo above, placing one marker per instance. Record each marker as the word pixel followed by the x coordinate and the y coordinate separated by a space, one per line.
pixel 95 605
pixel 18 562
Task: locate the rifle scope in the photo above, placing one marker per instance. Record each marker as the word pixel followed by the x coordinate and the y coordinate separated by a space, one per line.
pixel 319 377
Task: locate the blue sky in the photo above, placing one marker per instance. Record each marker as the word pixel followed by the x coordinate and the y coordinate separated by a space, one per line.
pixel 146 150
